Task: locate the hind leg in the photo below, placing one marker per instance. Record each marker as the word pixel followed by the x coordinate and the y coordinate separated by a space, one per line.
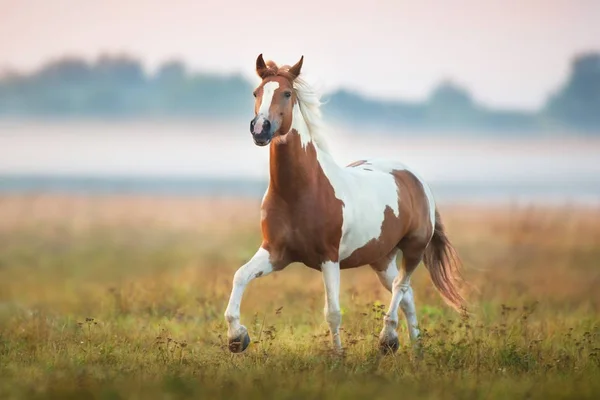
pixel 402 297
pixel 407 304
pixel 387 272
pixel 388 338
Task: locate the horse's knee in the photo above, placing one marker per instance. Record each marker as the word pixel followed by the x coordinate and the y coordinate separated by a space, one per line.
pixel 333 316
pixel 407 290
pixel 240 277
pixel 408 302
pixel 401 285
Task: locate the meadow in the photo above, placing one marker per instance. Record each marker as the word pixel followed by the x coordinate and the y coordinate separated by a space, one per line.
pixel 123 297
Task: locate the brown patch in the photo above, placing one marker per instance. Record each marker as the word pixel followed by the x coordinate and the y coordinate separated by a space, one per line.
pixel 302 218
pixel 258 274
pixel 410 231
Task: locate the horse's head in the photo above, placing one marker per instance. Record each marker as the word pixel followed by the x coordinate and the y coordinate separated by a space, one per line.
pixel 275 99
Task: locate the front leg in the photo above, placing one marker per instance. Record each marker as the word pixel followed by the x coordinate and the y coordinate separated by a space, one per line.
pixel 333 315
pixel 259 265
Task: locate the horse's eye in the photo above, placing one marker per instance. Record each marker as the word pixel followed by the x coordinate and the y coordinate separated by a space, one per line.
pixel 287 94
pixel 254 94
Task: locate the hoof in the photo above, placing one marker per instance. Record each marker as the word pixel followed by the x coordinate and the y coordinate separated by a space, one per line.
pixel 389 346
pixel 240 343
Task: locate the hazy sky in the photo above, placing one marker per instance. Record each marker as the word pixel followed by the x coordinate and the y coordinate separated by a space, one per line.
pixel 508 53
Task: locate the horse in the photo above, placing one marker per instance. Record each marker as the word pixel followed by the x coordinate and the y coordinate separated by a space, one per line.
pixel 331 217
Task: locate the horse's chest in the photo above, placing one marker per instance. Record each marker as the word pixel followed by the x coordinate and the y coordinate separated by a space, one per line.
pixel 307 231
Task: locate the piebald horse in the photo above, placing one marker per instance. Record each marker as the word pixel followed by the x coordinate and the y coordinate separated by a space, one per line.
pixel 330 217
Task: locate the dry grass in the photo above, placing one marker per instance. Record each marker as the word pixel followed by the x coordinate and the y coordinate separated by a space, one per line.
pixel 123 297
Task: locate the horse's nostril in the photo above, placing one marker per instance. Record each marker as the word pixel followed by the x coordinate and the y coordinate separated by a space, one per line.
pixel 267 125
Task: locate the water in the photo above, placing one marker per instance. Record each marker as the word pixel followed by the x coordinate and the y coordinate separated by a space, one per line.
pixel 192 158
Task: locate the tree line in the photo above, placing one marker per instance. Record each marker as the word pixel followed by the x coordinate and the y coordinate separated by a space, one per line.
pixel 118 87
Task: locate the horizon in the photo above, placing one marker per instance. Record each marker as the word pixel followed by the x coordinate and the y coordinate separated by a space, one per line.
pixel 515 61
pixel 150 72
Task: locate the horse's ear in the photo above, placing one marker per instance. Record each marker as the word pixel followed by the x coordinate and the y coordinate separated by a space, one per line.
pixel 261 67
pixel 295 70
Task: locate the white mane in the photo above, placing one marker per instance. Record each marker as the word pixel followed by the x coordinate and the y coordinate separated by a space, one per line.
pixel 309 103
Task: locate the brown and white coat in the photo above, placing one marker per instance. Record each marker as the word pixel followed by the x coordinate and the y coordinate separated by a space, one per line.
pixel 330 217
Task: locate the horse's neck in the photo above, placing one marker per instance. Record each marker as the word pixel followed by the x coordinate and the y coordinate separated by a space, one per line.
pixel 296 161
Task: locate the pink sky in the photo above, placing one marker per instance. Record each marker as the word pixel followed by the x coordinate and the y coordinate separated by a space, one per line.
pixel 508 53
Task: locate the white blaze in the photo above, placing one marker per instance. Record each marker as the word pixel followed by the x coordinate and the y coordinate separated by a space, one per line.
pixel 263 111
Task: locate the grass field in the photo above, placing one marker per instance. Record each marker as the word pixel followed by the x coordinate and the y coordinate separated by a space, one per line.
pixel 123 297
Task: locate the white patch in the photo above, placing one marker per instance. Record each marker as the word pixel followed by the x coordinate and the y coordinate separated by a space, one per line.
pixel 387 277
pixel 263 111
pixel 366 195
pixel 389 165
pixel 300 126
pixel 258 125
pixel 267 98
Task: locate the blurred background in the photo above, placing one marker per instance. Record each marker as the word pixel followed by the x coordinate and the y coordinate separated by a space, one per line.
pixel 130 193
pixel 490 101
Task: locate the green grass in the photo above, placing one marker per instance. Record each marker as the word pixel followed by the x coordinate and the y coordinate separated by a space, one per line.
pixel 121 310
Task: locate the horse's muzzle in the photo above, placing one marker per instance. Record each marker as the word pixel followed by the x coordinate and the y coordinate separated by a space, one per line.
pixel 260 128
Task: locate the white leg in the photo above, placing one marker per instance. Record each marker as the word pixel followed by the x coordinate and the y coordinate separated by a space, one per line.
pixel 402 293
pixel 408 307
pixel 388 338
pixel 333 314
pixel 258 266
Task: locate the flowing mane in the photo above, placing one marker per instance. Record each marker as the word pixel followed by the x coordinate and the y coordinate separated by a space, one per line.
pixel 310 103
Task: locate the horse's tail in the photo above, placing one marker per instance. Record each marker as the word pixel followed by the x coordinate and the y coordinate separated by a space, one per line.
pixel 443 263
